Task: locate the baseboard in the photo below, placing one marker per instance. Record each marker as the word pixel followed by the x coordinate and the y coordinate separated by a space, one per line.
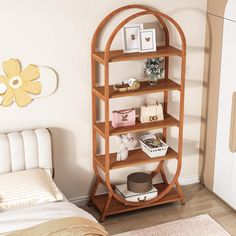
pixel 81 201
pixel 189 180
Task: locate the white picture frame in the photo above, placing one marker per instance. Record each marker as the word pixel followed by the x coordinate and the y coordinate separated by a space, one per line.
pixel 130 38
pixel 147 40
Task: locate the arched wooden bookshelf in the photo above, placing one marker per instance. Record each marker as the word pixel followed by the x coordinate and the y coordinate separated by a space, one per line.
pixel 111 203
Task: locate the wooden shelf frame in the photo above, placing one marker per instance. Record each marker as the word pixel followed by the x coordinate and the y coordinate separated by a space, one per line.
pixel 163 85
pixel 119 55
pixel 107 161
pixel 136 157
pixel 169 121
pixel 117 207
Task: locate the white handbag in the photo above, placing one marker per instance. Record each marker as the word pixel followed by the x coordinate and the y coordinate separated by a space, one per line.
pixel 152 111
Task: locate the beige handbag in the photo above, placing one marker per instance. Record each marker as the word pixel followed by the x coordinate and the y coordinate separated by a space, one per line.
pixel 152 111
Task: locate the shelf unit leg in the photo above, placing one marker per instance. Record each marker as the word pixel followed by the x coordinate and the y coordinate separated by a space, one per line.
pixel 180 192
pixel 93 192
pixel 103 216
pixel 157 171
pixel 163 175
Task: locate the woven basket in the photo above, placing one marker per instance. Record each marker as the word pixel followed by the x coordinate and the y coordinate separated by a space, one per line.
pixel 154 152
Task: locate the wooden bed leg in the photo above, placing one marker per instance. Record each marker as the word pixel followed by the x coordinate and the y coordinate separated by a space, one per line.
pixel 93 192
pixel 180 192
pixel 163 175
pixel 103 216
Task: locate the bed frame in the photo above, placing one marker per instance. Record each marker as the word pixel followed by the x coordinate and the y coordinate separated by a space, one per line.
pixel 25 150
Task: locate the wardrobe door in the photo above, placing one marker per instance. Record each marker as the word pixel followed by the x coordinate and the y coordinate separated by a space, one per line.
pixel 233 185
pixel 217 7
pixel 214 41
pixel 224 157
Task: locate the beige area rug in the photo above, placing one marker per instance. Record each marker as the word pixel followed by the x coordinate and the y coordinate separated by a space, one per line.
pixel 202 225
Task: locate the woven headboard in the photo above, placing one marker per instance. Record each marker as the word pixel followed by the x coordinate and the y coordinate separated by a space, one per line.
pixel 25 150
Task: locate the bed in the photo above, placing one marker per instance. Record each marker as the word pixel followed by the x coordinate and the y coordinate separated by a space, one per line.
pixel 26 153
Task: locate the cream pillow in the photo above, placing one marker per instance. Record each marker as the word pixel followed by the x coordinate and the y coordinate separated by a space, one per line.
pixel 27 188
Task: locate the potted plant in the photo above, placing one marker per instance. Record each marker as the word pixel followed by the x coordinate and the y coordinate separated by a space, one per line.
pixel 154 69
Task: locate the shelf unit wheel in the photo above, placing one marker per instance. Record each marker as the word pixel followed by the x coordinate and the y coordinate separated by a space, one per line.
pixel 112 203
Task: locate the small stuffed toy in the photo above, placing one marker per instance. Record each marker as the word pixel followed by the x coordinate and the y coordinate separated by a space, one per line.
pixel 124 139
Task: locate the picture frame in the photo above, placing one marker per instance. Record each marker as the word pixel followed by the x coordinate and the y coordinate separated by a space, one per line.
pixel 147 40
pixel 131 38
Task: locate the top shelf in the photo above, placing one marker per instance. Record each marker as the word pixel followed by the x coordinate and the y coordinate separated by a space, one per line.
pixel 119 55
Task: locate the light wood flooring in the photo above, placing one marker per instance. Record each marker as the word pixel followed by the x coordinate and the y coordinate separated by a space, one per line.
pixel 198 201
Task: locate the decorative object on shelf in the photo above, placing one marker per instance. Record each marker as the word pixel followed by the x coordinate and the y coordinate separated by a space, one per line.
pixel 22 86
pixel 123 152
pixel 130 196
pixel 123 118
pixel 130 36
pixel 154 70
pixel 153 146
pixel 131 85
pixel 139 182
pixel 152 111
pixel 147 40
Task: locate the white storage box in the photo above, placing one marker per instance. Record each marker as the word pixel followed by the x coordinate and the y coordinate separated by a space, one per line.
pixel 153 152
pixel 135 197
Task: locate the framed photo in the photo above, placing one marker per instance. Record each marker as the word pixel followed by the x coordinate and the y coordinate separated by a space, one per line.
pixel 131 40
pixel 147 40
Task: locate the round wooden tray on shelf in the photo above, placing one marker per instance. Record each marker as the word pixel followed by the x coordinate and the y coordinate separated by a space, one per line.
pixel 112 203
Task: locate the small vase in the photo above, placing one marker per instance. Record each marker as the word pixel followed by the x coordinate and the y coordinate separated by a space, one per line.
pixel 152 79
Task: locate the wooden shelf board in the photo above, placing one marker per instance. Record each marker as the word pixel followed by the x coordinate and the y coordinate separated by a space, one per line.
pixel 117 207
pixel 136 157
pixel 169 121
pixel 162 86
pixel 119 55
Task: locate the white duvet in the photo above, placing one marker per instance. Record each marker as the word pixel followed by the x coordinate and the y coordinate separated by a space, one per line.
pixel 22 218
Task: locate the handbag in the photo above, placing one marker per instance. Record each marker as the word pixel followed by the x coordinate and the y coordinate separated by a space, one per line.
pixel 123 118
pixel 152 111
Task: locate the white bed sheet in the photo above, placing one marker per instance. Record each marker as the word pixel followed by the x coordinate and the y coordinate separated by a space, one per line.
pixel 22 218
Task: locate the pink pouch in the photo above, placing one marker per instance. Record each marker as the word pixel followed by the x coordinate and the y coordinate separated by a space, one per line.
pixel 123 118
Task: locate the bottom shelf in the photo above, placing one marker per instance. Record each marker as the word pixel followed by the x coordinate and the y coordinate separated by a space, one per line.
pixel 118 207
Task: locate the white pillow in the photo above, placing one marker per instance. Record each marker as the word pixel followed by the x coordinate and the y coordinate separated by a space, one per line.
pixel 27 188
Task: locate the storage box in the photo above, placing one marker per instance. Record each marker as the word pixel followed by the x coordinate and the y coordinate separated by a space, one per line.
pixel 153 152
pixel 139 182
pixel 135 197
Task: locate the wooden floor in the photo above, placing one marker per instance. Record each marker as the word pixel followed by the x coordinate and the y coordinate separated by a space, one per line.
pixel 198 201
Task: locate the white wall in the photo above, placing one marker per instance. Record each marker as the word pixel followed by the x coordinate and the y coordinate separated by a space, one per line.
pixel 57 33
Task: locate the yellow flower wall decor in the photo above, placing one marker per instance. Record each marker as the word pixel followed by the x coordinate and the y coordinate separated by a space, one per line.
pixel 22 86
pixel 19 83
